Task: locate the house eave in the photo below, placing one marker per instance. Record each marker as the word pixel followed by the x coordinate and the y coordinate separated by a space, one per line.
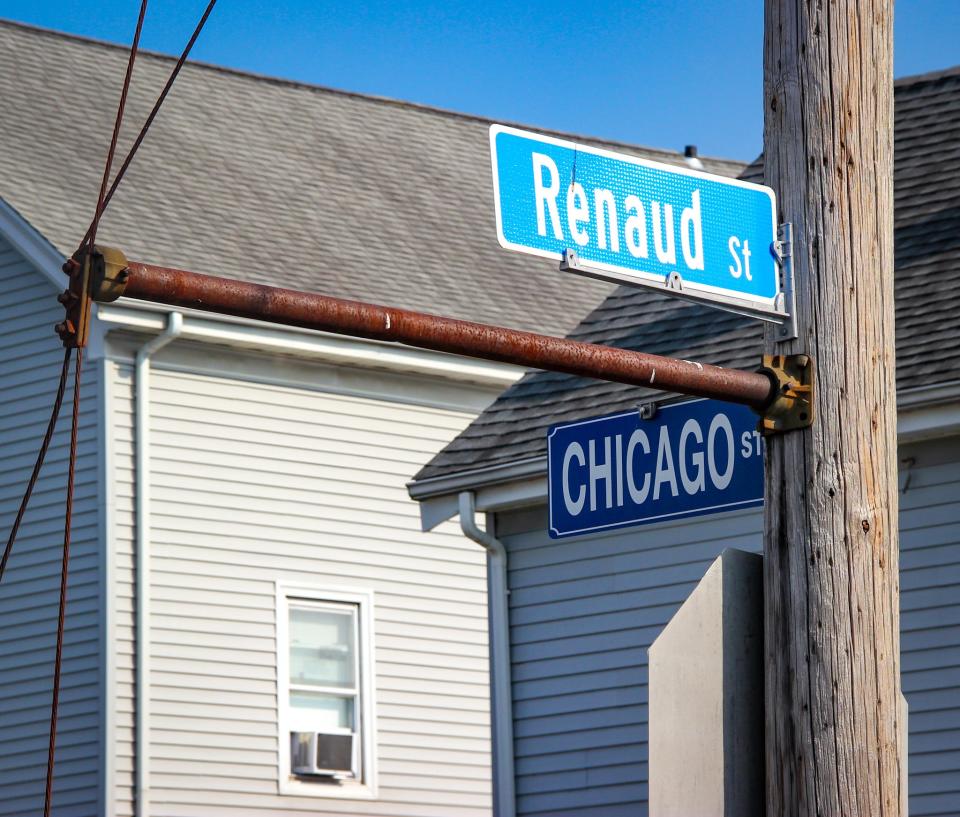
pixel 141 316
pixel 926 412
pixel 32 244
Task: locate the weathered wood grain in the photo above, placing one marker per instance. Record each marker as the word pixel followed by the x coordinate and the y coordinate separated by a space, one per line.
pixel 831 567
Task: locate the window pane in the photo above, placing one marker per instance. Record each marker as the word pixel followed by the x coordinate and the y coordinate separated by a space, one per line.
pixel 326 711
pixel 322 647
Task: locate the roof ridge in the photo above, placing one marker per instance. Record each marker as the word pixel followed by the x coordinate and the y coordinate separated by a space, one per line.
pixel 366 97
pixel 929 76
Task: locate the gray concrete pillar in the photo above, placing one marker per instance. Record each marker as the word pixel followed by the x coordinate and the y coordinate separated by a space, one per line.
pixel 706 698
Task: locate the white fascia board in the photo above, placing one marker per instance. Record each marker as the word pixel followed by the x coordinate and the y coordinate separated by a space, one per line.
pixel 249 334
pixel 500 496
pixel 475 479
pixel 517 494
pixel 496 488
pixel 491 499
pixel 244 333
pixel 928 422
pixel 32 245
pixel 926 413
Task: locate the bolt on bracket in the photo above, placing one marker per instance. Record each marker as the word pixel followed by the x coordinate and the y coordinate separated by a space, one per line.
pixel 647 411
pixel 98 274
pixel 793 404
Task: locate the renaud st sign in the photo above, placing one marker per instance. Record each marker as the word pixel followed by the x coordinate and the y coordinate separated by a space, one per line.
pixel 697 235
pixel 692 458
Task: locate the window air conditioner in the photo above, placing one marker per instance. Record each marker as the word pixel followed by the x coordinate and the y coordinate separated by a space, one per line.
pixel 322 755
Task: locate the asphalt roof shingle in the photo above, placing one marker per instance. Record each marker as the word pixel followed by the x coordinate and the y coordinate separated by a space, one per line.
pixel 275 182
pixel 927 251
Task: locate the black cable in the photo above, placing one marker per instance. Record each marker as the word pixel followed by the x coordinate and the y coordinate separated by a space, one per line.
pixel 51 426
pixel 64 566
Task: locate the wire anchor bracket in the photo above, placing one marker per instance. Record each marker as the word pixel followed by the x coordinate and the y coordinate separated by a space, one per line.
pixel 98 274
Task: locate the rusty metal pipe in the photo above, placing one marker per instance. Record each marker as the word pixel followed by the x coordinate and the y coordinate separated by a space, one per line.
pixel 193 290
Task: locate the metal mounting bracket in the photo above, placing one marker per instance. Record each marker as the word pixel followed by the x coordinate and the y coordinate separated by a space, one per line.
pixel 647 411
pixel 673 285
pixel 782 250
pixel 96 274
pixel 793 406
pixel 109 275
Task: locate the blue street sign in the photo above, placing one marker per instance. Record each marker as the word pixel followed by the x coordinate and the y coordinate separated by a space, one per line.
pixel 690 459
pixel 701 236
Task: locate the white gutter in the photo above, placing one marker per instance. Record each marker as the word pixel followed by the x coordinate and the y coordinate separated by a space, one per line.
pixel 142 549
pixel 504 799
pixel 245 333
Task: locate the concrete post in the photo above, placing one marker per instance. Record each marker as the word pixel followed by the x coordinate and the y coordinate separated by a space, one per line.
pixel 706 697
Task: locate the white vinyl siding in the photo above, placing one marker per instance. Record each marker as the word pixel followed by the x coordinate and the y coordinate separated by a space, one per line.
pixel 256 482
pixel 583 613
pixel 30 360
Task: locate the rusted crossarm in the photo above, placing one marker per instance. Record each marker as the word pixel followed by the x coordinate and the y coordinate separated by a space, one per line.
pixel 308 310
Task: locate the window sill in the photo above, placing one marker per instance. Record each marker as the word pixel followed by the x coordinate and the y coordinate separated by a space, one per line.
pixel 345 790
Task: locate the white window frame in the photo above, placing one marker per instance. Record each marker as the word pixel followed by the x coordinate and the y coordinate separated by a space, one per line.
pixel 366 787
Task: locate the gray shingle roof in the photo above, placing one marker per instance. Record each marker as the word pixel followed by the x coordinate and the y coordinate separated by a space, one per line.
pixel 275 182
pixel 927 241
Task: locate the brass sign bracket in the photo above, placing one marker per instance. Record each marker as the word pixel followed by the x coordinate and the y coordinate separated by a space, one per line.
pixel 793 405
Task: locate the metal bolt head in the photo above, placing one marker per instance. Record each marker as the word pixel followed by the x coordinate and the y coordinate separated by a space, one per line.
pixel 647 411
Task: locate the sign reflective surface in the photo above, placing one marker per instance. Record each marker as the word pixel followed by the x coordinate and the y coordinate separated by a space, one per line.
pixel 636 219
pixel 692 458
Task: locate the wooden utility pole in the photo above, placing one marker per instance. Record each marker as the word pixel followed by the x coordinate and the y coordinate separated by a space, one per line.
pixel 831 536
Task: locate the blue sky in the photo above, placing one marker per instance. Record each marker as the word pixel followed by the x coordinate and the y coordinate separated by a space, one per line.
pixel 658 72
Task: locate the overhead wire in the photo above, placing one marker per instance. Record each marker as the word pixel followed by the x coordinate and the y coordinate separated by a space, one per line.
pixel 31 483
pixel 150 117
pixel 64 565
pixel 87 245
pixel 101 202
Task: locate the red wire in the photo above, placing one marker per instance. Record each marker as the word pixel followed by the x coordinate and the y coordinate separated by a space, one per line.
pixel 88 241
pixel 64 565
pixel 153 114
pixel 91 237
pixel 39 463
pixel 92 232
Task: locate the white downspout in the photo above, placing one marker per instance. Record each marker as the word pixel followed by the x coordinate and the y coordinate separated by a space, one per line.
pixel 502 695
pixel 142 550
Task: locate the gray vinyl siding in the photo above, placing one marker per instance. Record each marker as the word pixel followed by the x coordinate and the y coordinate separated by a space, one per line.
pixel 930 623
pixel 583 613
pixel 30 359
pixel 255 482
